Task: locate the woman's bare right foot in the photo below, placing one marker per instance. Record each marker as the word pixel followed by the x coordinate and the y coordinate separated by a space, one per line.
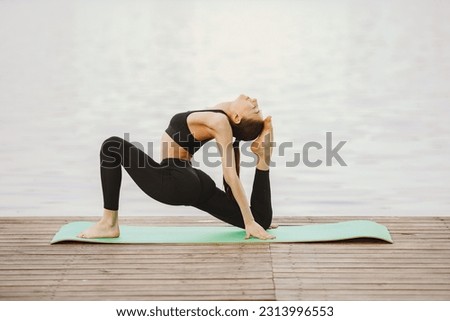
pixel 108 227
pixel 263 144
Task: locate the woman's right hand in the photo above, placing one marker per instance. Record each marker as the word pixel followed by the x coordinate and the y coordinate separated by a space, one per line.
pixel 256 230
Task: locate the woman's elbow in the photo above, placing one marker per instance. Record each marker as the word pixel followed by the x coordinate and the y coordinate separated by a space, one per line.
pixel 230 177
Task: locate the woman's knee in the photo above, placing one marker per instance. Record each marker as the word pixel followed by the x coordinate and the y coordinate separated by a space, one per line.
pixel 264 220
pixel 111 151
pixel 112 141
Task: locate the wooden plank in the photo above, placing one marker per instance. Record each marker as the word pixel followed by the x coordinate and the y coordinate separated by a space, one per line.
pixel 361 295
pixel 416 266
pixel 349 274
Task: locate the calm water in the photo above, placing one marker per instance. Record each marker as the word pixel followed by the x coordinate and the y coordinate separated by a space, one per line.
pixel 374 73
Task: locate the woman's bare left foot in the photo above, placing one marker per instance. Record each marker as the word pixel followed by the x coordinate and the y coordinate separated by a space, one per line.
pixel 108 226
pixel 273 226
pixel 101 229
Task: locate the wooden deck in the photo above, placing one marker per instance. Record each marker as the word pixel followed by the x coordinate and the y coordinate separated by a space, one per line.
pixel 415 267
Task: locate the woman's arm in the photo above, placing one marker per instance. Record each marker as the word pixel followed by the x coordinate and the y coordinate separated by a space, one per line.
pixel 223 136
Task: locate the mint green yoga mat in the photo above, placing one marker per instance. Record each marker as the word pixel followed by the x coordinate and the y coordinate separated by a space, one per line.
pixel 218 234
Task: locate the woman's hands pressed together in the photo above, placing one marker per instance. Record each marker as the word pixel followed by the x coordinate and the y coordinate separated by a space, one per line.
pixel 254 229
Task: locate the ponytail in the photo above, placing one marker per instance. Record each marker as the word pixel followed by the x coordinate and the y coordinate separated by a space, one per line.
pixel 237 158
pixel 246 130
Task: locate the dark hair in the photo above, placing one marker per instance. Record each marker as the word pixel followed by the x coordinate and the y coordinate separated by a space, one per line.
pixel 247 129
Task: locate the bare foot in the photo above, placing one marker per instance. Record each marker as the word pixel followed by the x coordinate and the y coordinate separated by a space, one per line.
pixel 100 230
pixel 262 146
pixel 108 226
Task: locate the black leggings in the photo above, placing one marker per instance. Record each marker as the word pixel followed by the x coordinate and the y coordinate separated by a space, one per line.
pixel 174 181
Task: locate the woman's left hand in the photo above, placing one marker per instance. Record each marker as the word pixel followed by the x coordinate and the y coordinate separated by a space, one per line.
pixel 256 230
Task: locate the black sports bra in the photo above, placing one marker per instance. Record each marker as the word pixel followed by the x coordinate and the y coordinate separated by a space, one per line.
pixel 179 131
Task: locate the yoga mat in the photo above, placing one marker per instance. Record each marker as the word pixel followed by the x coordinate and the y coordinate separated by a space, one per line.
pixel 219 234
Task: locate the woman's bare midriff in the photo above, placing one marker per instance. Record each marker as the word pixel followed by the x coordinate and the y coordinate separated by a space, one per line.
pixel 170 149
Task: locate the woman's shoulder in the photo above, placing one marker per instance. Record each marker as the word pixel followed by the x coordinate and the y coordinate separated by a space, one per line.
pixel 215 121
pixel 210 117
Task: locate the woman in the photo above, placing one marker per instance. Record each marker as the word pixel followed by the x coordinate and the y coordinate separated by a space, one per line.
pixel 174 181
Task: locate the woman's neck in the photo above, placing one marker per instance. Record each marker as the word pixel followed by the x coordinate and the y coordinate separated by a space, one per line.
pixel 225 106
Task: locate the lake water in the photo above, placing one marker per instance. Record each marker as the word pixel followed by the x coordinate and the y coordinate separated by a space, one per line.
pixel 375 74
